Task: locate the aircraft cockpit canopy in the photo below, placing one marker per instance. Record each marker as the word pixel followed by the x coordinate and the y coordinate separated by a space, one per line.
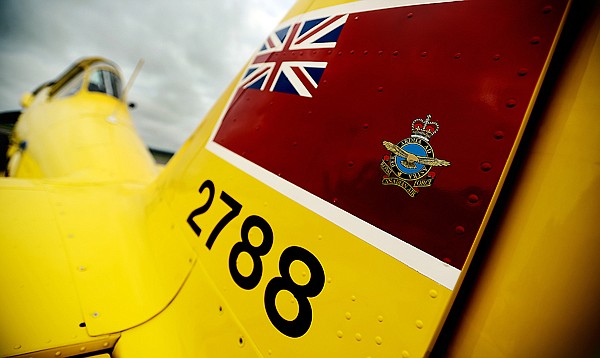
pixel 93 75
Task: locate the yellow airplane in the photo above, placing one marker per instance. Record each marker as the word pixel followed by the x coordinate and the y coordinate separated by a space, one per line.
pixel 284 228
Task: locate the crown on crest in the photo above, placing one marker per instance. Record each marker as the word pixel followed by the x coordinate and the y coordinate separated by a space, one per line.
pixel 424 129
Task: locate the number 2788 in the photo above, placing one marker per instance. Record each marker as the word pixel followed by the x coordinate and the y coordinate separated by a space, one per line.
pixel 299 325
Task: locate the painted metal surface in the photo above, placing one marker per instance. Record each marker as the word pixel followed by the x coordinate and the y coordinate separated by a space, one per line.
pixel 289 194
pixel 244 218
pixel 373 73
pixel 347 78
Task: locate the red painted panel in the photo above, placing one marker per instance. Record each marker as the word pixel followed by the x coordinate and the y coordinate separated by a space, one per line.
pixel 472 65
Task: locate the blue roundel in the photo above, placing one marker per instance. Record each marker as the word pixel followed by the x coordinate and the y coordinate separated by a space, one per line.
pixel 416 150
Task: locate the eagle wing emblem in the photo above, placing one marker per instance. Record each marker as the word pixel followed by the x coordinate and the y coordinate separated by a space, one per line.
pixel 411 158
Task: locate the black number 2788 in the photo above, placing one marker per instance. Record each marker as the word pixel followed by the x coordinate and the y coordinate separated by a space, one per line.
pixel 299 325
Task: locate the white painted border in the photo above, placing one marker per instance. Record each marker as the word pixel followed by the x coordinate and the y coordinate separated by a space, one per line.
pixel 414 258
pixel 411 256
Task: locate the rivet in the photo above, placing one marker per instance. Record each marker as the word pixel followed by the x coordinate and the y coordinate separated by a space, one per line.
pixel 348 315
pixel 380 318
pixel 498 135
pixel 459 230
pixel 353 298
pixel 419 324
pixel 473 198
pixel 457 55
pixel 535 40
pixel 356 18
pixel 424 54
pixel 410 15
pixel 340 53
pixel 395 53
pixel 335 200
pixel 447 260
pixel 17 346
pixel 486 166
pixel 57 354
pixel 365 52
pixel 329 279
pixel 350 163
pixel 547 9
pixel 105 344
pixel 522 71
pixel 82 349
pixel 301 53
pixel 511 103
pixel 340 334
pixel 365 125
pixel 329 52
pixel 358 337
pixel 352 52
pixel 496 57
pixel 378 340
pixel 405 354
pixel 433 293
pixel 320 237
pixel 380 89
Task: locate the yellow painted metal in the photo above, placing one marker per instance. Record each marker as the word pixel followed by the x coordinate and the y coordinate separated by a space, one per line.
pixel 380 311
pixel 92 256
pixel 80 258
pixel 39 306
pixel 536 293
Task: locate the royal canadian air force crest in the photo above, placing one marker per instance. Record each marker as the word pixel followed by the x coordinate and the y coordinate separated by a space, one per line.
pixel 409 163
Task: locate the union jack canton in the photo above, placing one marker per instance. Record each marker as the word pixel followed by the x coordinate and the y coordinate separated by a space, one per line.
pixel 276 68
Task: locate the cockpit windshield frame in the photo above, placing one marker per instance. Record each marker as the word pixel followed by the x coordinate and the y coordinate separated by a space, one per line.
pixel 104 80
pixel 91 75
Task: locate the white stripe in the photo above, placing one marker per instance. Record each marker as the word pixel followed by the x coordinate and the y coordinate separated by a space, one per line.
pixel 414 258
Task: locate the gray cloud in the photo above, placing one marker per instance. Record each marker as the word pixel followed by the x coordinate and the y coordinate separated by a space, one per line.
pixel 191 49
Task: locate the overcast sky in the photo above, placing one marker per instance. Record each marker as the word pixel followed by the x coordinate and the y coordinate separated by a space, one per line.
pixel 191 48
